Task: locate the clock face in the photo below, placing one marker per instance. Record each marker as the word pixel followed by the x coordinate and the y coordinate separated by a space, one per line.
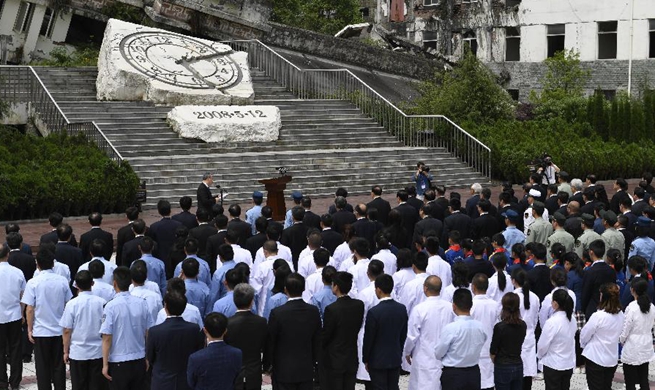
pixel 179 60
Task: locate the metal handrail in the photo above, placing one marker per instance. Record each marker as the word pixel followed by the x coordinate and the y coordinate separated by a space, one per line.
pixel 34 91
pixel 342 84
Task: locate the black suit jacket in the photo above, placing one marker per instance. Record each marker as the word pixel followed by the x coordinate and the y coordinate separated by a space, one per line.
pixel 294 337
pixel 409 217
pixel 382 206
pixel 202 234
pixel 472 206
pixel 96 233
pixel 594 277
pixel 615 203
pixel 366 229
pixel 342 218
pixel 295 237
pixel 444 203
pixel 124 235
pixel 456 221
pixel 242 229
pixel 551 204
pixel 312 220
pixel 248 332
pixel 415 202
pixel 638 208
pixel 578 198
pixel 539 278
pixel 342 321
pixel 628 238
pixel 205 198
pixel 255 242
pixel 384 335
pixel 426 225
pixel 131 251
pixel 168 348
pixel 333 209
pixel 52 238
pixel 331 239
pixel 485 226
pixel 71 256
pixel 438 211
pixel 213 243
pixel 588 208
pixel 186 218
pixel 562 210
pixel 163 232
pixel 23 262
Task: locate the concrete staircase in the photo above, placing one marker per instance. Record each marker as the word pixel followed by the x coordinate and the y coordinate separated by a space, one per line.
pixel 324 144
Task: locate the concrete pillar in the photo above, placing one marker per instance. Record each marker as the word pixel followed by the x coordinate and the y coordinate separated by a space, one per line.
pixel 62 23
pixel 8 17
pixel 33 32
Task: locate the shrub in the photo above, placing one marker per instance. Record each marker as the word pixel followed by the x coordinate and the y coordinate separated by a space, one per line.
pixel 59 56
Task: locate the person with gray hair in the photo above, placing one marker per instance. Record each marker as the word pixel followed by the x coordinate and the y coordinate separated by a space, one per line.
pixel 576 188
pixel 247 332
pixel 472 202
pixel 204 195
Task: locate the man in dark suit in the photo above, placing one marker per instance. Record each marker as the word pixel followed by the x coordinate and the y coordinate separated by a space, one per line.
pixel 427 223
pixel 628 235
pixel 125 234
pixel 589 196
pixel 214 242
pixel 485 225
pixel 342 216
pixel 441 199
pixel 456 221
pixel 95 219
pixel 163 231
pixel 218 365
pixel 595 276
pixel 551 202
pixel 185 217
pixel 66 253
pixel 408 213
pixel 18 258
pixel 385 332
pixel 131 249
pixel 576 187
pixel 311 220
pixel 202 232
pixel 342 321
pixel 437 212
pixel 621 188
pixel 505 203
pixel 341 192
pixel 640 202
pixel 412 200
pixel 364 227
pixel 15 228
pixel 267 212
pixel 382 206
pixel 539 276
pixel 55 219
pixel 170 344
pixel 295 236
pixel 294 338
pixel 257 241
pixel 562 203
pixel 331 239
pixel 472 202
pixel 248 332
pixel 204 195
pixel 243 228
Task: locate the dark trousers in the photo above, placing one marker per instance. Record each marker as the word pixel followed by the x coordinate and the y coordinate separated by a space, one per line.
pixel 557 380
pixel 129 375
pixel 599 377
pixel 87 375
pixel 331 380
pixel 49 361
pixel 384 379
pixel 508 376
pixel 28 348
pixel 309 385
pixel 460 378
pixel 10 345
pixel 527 383
pixel 636 375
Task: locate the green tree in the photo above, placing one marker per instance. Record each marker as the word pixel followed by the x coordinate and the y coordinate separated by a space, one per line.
pixel 324 16
pixel 614 120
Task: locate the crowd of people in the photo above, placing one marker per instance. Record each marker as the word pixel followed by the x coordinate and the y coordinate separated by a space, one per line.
pixel 458 296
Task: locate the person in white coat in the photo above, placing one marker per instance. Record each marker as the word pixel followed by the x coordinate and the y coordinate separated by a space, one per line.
pixel 436 265
pixel 460 275
pixel 556 346
pixel 487 311
pixel 558 279
pixel 530 315
pixel 599 339
pixel 499 283
pixel 405 272
pixel 425 325
pixel 360 248
pixel 636 336
pixel 367 295
pixel 384 254
pixel 412 293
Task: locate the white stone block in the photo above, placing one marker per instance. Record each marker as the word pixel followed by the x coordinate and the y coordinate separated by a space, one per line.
pixel 145 63
pixel 227 123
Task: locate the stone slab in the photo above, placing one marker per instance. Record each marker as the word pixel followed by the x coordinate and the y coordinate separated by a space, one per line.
pixel 227 123
pixel 145 63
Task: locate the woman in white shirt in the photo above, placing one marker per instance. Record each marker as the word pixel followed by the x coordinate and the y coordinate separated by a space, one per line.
pixel 599 339
pixel 460 273
pixel 499 283
pixel 529 314
pixel 636 336
pixel 556 346
pixel 405 272
pixel 558 280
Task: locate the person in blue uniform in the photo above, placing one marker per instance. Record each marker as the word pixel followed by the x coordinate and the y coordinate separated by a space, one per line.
pixel 256 210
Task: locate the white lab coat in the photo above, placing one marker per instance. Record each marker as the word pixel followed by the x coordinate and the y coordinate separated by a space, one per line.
pixel 366 295
pixel 242 255
pixel 494 292
pixel 487 311
pixel 439 267
pixel 400 278
pixel 412 293
pixel 262 281
pixel 636 335
pixel 313 283
pixel 389 260
pixel 530 317
pixel 341 254
pixel 423 331
pixel 546 310
pixel 283 252
pixel 360 278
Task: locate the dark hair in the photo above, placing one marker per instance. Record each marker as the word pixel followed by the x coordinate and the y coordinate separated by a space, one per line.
pixel 147 245
pixel 402 195
pixel 539 251
pixel 499 261
pixel 327 274
pixel 190 267
pixel 295 285
pixel 481 282
pixel 598 247
pixel 234 210
pixel 615 257
pixel 340 202
pixel 519 250
pixel 385 283
pixel 382 240
pixel 564 301
pixel 261 224
pixel 640 287
pixel 510 313
pixel 463 299
pixel 221 221
pixel 298 213
pixel 521 278
pixel 359 246
pixel 282 270
pixel 563 197
pixel 344 281
pixel 97 269
pixel 123 278
pixel 45 257
pixel 273 232
pixel 139 226
pixel 191 246
pixel 84 280
pixel 97 248
pixel 558 251
pixel 176 284
pixel 12 228
pixel 558 277
pixel 216 324
pixel 164 207
pixel 639 265
pixel 14 241
pixel 243 271
pixel 175 302
pixel 139 271
pixel 341 192
pixel 64 232
pixel 202 215
pixel 186 202
pixel 484 205
pixel 232 278
pixel 420 261
pixel 499 239
pixel 404 258
pixel 460 273
pixel 609 298
pixel 576 263
pixel 326 220
pixel 375 268
pixel 55 219
pixel 478 247
pixel 132 213
pixel 376 190
pixel 226 252
pixel 95 218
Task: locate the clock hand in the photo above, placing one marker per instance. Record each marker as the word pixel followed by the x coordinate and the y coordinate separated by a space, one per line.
pixel 197 74
pixel 197 58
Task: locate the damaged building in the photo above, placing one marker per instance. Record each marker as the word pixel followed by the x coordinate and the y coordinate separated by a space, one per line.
pixel 615 38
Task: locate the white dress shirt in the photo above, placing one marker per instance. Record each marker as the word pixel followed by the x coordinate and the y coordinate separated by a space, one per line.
pixel 108 277
pixel 412 293
pixel 283 252
pixel 360 278
pixel 461 342
pixel 341 254
pixel 389 260
pixel 556 346
pixel 149 285
pixel 313 283
pixel 13 284
pixel 48 294
pixel 400 278
pixel 83 315
pixel 103 290
pixel 242 255
pixel 191 314
pixel 153 300
pixel 494 292
pixel 439 267
pixel 366 295
pixel 487 311
pixel 262 281
pixel 58 268
pixel 636 335
pixel 426 323
pixel 546 310
pixel 600 338
pixel 530 317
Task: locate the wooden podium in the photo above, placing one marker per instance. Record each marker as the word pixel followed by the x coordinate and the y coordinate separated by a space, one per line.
pixel 275 198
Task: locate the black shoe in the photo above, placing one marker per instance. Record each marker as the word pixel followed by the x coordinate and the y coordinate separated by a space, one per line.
pixel 27 359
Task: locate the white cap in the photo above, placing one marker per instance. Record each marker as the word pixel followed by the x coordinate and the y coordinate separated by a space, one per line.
pixel 535 193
